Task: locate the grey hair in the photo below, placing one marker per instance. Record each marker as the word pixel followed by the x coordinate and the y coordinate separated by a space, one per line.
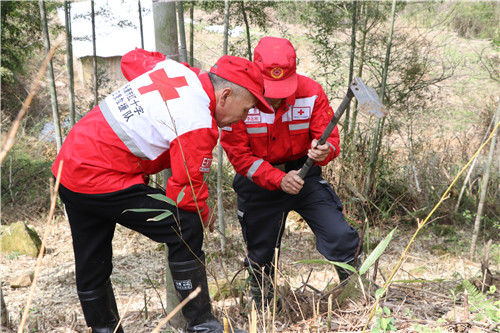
pixel 220 83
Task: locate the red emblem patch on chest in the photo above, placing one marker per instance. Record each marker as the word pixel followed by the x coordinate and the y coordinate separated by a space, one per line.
pixel 253 117
pixel 301 113
pixel 205 164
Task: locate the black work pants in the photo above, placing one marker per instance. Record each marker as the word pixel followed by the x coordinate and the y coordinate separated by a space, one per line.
pixel 262 215
pixel 93 218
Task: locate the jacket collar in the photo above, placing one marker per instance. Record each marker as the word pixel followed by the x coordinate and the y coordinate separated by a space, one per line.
pixel 209 89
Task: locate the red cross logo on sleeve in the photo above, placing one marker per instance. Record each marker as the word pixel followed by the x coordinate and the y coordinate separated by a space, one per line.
pixel 164 84
pixel 301 112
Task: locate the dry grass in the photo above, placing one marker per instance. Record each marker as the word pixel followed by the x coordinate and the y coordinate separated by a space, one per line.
pixel 139 272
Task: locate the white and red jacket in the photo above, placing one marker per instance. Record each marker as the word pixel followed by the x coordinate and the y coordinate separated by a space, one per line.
pixel 264 140
pixel 161 119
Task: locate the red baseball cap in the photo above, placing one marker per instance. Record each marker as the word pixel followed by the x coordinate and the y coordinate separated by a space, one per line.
pixel 244 73
pixel 277 61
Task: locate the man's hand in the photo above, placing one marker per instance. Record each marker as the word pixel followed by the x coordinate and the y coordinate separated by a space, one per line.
pixel 318 153
pixel 210 221
pixel 292 183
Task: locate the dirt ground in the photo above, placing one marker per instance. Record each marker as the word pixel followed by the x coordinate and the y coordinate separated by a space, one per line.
pixel 139 283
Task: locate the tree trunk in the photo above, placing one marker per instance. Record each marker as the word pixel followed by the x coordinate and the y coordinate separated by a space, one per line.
pixel 165 25
pixel 377 136
pixel 94 53
pixel 364 32
pixel 5 314
pixel 351 64
pixel 52 84
pixel 220 151
pixel 182 31
pixel 165 21
pixel 69 63
pixel 484 186
pixel 140 23
pixel 227 3
pixel 247 28
pixel 191 35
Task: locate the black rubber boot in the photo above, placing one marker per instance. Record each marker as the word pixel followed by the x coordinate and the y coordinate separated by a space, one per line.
pixel 198 312
pixel 344 273
pixel 100 310
pixel 262 289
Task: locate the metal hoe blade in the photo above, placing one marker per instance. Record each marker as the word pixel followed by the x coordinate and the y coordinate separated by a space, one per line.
pixel 368 100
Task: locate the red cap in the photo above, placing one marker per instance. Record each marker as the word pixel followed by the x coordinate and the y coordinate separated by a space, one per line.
pixel 244 73
pixel 277 61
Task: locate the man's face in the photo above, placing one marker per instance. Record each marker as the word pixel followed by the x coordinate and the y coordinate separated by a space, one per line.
pixel 275 102
pixel 233 106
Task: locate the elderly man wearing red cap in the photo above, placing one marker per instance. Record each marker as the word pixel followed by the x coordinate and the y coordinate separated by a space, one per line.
pixel 165 117
pixel 267 150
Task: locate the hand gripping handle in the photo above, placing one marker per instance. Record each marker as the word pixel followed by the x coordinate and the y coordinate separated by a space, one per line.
pixel 328 130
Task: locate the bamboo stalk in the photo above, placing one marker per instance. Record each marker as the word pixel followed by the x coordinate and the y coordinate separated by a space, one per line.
pixel 329 316
pixel 276 250
pixel 466 306
pixel 123 315
pixel 253 319
pixel 191 296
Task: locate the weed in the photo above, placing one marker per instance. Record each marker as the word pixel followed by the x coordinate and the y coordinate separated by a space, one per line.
pixel 425 329
pixel 370 260
pixel 12 256
pixel 383 321
pixel 25 183
pixel 482 306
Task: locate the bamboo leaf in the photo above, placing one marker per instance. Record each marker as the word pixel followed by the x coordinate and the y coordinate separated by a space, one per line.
pixel 376 253
pixel 181 195
pixel 143 210
pixel 161 216
pixel 320 261
pixel 164 198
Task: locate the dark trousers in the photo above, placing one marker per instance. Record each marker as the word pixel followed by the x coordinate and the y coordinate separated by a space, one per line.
pixel 93 218
pixel 262 215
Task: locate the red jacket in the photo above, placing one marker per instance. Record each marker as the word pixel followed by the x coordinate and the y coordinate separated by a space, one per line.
pixel 161 119
pixel 264 140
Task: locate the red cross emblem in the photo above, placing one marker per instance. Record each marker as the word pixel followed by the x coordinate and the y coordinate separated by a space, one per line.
pixel 164 84
pixel 301 112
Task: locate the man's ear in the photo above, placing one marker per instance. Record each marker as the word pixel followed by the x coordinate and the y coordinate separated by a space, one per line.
pixel 224 94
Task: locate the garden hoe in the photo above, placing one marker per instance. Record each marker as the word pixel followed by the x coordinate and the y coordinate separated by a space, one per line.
pixel 368 102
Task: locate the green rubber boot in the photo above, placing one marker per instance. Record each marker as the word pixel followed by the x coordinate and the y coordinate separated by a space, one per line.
pixel 261 287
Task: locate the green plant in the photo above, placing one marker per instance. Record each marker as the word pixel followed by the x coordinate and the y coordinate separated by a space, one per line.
pixel 489 225
pixel 21 47
pixel 12 255
pixel 25 178
pixel 164 212
pixel 475 19
pixel 426 329
pixel 468 217
pixel 480 304
pixel 383 321
pixel 370 260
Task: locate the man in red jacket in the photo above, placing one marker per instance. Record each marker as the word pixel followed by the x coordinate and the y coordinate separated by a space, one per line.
pixel 267 150
pixel 165 117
